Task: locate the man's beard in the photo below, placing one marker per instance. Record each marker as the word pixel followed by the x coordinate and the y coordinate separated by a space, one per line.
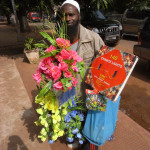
pixel 72 30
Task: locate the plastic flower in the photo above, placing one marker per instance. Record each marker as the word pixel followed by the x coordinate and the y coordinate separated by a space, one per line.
pixel 56 118
pixel 73 113
pixel 79 135
pixel 63 66
pixel 50 49
pixel 56 128
pixel 49 105
pixel 59 58
pixel 69 88
pixel 37 77
pixel 69 139
pixel 67 118
pixel 45 63
pixel 74 68
pixel 63 43
pixel 58 85
pixel 65 54
pixel 81 141
pixel 76 57
pixel 67 74
pixel 50 141
pixel 81 116
pixel 60 133
pixel 54 137
pixel 56 72
pixel 73 102
pixel 74 131
pixel 74 81
pixel 64 112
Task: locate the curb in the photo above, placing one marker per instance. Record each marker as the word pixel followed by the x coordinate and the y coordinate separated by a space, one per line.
pixel 12 49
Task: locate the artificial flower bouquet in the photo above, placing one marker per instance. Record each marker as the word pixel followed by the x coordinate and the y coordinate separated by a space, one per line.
pixel 58 109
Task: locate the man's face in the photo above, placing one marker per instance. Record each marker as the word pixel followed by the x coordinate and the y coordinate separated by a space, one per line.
pixel 72 15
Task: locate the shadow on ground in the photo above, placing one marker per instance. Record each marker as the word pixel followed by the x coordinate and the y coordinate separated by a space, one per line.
pixel 15 142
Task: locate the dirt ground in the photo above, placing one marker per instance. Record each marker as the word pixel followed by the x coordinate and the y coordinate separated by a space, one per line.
pixel 135 101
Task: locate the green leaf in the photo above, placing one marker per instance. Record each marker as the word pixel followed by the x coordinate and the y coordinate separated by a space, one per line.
pixel 48 37
pixel 45 89
pixel 68 84
pixel 41 45
pixel 53 53
pixel 62 125
pixel 79 125
pixel 78 108
pixel 64 80
pixel 81 67
pixel 70 102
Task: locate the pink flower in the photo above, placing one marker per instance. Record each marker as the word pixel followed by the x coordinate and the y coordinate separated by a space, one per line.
pixel 68 74
pixel 74 81
pixel 45 63
pixel 50 49
pixel 62 43
pixel 56 73
pixel 69 88
pixel 73 53
pixel 65 54
pixel 39 70
pixel 58 85
pixel 75 69
pixel 63 66
pixel 59 58
pixel 37 77
pixel 75 56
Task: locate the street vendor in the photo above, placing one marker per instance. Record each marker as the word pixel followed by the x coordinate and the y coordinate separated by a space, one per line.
pixel 87 43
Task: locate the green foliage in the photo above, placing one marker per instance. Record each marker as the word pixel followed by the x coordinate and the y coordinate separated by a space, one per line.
pixel 49 38
pixel 41 45
pixel 45 89
pixel 29 44
pixel 81 67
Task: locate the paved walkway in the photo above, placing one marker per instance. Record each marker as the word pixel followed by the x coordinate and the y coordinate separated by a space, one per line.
pixel 17 130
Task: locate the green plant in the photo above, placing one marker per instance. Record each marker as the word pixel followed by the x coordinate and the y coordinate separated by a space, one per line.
pixel 29 44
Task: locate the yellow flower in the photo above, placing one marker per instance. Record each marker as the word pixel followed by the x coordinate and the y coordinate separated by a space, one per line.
pixel 44 122
pixel 39 100
pixel 54 137
pixel 64 112
pixel 56 128
pixel 56 118
pixel 60 133
pixel 37 123
pixel 43 132
pixel 49 104
pixel 43 139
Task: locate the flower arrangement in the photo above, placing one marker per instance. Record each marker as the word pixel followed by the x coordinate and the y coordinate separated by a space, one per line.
pixel 59 114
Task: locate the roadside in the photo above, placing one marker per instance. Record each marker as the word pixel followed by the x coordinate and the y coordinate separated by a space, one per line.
pixel 129 135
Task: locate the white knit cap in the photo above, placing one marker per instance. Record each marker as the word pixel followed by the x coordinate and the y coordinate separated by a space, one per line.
pixel 72 2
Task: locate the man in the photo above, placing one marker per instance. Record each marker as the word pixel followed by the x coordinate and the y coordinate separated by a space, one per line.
pixel 87 43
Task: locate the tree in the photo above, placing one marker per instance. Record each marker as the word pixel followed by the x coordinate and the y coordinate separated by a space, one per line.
pixel 6 9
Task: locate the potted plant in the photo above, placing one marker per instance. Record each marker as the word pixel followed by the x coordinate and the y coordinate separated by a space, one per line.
pixel 31 52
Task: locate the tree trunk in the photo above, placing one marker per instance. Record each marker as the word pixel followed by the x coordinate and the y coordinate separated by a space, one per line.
pixel 8 19
pixel 22 17
pixel 24 26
